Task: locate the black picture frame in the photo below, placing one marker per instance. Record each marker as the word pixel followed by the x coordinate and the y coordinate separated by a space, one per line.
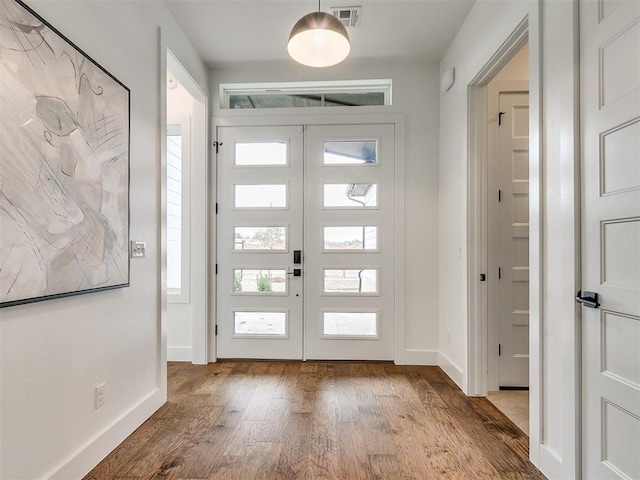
pixel 64 165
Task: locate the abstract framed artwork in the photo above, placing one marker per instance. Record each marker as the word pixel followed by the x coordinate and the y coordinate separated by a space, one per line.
pixel 64 165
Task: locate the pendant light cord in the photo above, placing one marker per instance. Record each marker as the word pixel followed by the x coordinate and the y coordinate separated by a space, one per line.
pixel 318 5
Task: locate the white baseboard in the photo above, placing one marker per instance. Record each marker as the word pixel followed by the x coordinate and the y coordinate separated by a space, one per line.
pixel 415 356
pixel 83 460
pixel 179 354
pixel 451 369
pixel 550 463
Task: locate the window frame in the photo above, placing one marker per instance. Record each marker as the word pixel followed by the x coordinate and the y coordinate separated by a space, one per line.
pixel 227 90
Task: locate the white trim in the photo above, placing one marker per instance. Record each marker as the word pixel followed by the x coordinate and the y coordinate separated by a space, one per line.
pixel 535 234
pixel 400 238
pixel 550 463
pixel 376 115
pixel 454 372
pixel 179 354
pixel 419 356
pixel 79 463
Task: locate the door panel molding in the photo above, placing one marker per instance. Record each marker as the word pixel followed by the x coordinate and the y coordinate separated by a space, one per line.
pixel 610 108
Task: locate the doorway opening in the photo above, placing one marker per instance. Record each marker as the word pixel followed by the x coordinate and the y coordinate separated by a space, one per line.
pixel 186 215
pixel 483 263
pixel 507 276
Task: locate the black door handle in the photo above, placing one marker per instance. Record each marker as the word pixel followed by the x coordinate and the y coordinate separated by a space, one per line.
pixel 588 299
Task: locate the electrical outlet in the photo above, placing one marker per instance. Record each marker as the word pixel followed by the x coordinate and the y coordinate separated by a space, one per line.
pixel 137 249
pixel 100 395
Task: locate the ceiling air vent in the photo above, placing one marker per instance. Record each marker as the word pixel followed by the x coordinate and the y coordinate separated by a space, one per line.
pixel 350 16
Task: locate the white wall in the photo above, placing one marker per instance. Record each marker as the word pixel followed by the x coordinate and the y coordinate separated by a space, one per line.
pixel 488 25
pixel 53 354
pixel 415 94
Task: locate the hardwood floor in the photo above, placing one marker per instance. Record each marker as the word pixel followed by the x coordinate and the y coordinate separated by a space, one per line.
pixel 319 420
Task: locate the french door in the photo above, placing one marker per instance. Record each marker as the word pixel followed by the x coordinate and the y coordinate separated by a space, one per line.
pixel 305 232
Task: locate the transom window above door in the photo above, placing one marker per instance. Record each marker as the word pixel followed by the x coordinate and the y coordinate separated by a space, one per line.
pixel 345 93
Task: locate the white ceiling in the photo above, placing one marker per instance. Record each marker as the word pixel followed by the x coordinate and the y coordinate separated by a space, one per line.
pixel 225 31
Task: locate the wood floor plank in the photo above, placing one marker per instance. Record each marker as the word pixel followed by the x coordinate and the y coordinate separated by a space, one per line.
pixel 126 451
pixel 320 421
pixel 384 466
pixel 353 462
pixel 296 440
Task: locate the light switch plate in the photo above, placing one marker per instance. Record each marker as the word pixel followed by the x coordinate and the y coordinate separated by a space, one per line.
pixel 137 249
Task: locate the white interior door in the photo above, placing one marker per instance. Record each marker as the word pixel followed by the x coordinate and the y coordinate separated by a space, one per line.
pixel 511 240
pixel 349 242
pixel 610 71
pixel 259 225
pixel 339 196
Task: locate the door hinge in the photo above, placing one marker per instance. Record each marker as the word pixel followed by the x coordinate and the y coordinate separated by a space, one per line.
pixel 217 145
pixel 216 207
pixel 499 348
pixel 499 195
pixel 216 268
pixel 499 273
pixel 500 117
pixel 483 277
pixel 215 330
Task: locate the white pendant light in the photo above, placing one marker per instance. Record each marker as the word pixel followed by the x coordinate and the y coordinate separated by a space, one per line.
pixel 318 40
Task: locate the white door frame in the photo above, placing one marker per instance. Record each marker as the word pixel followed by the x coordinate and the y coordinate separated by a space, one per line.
pixel 293 117
pixel 526 31
pixel 198 237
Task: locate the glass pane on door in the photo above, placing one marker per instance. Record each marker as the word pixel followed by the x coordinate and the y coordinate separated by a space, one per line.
pixel 351 238
pixel 356 195
pixel 350 152
pixel 350 324
pixel 261 196
pixel 260 323
pixel 350 281
pixel 260 238
pixel 248 281
pixel 261 154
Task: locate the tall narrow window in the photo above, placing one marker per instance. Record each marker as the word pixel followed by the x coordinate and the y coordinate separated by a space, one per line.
pixel 174 209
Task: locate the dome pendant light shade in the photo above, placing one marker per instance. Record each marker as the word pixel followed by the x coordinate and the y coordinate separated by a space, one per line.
pixel 319 40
